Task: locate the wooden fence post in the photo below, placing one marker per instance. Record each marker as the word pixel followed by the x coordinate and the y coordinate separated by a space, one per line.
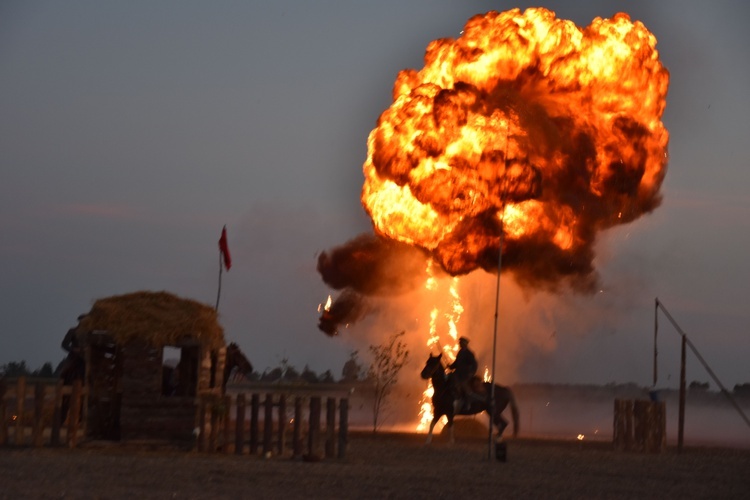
pixel 239 426
pixel 254 409
pixel 343 427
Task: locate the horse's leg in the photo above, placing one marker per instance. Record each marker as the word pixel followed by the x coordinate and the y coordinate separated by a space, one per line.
pixel 451 436
pixel 501 424
pixel 429 434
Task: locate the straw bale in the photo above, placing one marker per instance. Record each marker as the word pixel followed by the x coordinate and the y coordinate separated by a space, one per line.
pixel 158 318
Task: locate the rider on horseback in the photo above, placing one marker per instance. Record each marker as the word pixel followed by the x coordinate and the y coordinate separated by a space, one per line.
pixel 464 369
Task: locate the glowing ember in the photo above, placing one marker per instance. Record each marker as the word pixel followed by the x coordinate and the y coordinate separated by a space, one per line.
pixel 580 437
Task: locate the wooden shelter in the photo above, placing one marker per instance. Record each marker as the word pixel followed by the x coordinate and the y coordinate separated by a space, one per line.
pixel 134 393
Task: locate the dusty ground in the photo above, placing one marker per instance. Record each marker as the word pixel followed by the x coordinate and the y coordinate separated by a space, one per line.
pixel 387 466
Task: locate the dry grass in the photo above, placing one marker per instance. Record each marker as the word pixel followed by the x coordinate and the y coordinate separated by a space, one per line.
pixel 158 318
pixel 382 466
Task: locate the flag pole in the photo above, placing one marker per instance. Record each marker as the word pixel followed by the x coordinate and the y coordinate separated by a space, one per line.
pixel 224 260
pixel 218 294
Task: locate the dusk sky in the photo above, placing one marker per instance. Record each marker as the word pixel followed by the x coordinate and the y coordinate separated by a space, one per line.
pixel 131 132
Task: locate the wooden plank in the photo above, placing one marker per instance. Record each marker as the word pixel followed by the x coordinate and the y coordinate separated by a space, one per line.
pixel 20 403
pixel 297 432
pixel 268 424
pixel 282 425
pixel 38 430
pixel 202 424
pixel 3 414
pixel 254 414
pixel 74 414
pixel 343 427
pixel 57 415
pixel 227 441
pixel 313 435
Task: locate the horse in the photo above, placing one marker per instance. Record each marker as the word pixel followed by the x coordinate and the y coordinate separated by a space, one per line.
pixel 237 366
pixel 443 400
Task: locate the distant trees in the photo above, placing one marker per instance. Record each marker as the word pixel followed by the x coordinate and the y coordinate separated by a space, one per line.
pixel 698 386
pixel 285 372
pixel 19 369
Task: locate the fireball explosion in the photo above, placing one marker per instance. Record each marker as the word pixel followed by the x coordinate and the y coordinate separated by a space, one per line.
pixel 526 135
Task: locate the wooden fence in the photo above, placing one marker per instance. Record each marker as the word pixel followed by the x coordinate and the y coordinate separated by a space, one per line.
pixel 31 413
pixel 290 416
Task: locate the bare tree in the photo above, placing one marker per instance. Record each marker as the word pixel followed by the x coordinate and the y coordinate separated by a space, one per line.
pixel 388 359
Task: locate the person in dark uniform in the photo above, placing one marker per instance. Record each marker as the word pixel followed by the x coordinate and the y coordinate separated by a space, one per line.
pixel 74 365
pixel 464 369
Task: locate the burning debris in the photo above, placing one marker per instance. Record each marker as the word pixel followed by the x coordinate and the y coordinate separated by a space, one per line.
pixel 526 133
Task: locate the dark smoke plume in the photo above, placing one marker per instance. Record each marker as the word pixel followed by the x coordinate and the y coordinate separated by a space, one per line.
pixel 367 265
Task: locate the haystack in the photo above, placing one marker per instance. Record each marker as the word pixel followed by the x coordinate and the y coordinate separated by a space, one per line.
pixel 132 394
pixel 157 318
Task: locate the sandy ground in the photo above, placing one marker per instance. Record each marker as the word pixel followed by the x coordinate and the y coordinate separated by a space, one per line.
pixel 383 466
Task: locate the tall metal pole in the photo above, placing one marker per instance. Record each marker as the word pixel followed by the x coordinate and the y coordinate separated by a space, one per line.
pixel 491 403
pixel 681 418
pixel 656 330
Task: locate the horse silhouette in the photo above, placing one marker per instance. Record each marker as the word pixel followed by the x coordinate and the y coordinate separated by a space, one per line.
pixel 237 366
pixel 444 396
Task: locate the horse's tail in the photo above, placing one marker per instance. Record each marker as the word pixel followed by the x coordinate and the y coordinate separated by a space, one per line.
pixel 514 412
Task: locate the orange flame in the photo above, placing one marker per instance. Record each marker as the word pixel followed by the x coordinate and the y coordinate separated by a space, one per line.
pixel 525 126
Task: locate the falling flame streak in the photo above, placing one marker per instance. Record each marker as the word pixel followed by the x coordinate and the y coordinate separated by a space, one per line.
pixel 451 317
pixel 327 306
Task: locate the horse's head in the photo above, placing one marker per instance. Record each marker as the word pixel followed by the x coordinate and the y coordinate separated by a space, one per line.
pixel 236 358
pixel 431 366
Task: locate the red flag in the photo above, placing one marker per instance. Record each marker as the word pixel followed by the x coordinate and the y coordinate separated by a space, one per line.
pixel 224 248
